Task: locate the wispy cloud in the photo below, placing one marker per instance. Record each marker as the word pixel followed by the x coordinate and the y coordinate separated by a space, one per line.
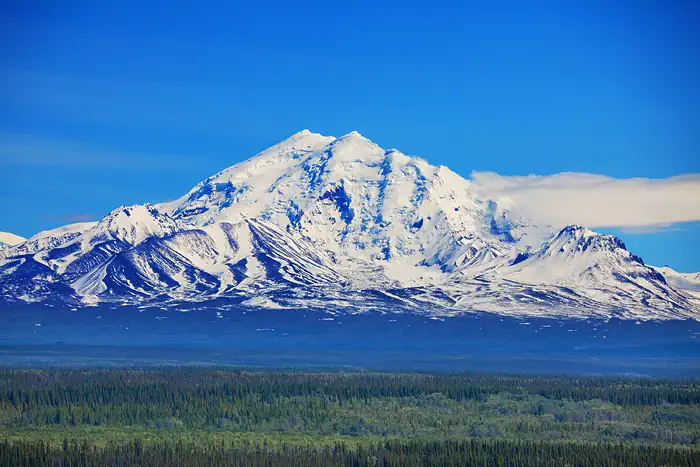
pixel 651 229
pixel 18 150
pixel 192 108
pixel 73 218
pixel 597 200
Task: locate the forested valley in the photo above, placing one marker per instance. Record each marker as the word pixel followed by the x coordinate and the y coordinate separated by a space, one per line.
pixel 203 417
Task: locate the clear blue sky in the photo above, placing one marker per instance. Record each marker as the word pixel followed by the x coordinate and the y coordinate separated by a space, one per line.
pixel 110 103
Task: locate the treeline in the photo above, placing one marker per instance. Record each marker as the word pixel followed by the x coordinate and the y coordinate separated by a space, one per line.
pixel 65 387
pixel 382 453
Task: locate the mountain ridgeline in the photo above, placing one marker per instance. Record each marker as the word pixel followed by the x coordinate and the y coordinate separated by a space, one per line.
pixel 340 225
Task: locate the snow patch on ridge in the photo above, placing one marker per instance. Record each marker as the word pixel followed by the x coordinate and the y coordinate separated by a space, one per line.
pixel 10 239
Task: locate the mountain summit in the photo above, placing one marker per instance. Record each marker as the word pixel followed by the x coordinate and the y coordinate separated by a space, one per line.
pixel 340 224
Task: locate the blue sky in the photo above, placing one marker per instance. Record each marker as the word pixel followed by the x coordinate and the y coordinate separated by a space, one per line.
pixel 110 103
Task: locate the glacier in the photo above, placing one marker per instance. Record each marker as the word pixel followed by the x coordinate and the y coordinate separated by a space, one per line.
pixel 342 225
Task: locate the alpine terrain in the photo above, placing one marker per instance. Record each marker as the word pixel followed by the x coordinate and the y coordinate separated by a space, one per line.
pixel 340 224
pixel 9 239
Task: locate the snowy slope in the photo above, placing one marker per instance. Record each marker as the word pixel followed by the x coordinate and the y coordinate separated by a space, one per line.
pixel 340 223
pixel 681 280
pixel 9 239
pixel 599 268
pixel 50 239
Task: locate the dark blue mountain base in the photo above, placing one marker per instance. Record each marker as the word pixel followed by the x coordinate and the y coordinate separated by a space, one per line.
pixel 39 335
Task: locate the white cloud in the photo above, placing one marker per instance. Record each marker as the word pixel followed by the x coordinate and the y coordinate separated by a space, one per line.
pixel 596 200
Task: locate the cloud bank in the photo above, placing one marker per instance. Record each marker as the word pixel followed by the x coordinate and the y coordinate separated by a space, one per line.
pixel 596 200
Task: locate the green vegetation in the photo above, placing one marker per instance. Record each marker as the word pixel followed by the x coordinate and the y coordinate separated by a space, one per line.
pixel 211 417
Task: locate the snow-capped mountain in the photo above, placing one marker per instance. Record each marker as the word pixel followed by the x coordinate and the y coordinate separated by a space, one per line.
pixel 340 223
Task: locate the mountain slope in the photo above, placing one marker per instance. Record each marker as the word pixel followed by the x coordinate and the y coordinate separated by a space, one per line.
pixel 340 223
pixel 599 268
pixel 681 280
pixel 8 239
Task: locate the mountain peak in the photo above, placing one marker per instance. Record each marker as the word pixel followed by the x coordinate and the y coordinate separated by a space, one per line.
pixel 304 140
pixel 354 142
pixel 303 134
pixel 578 231
pixel 133 224
pixel 353 135
pixel 587 239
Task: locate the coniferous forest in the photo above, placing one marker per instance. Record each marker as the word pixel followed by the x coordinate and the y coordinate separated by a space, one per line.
pixel 209 417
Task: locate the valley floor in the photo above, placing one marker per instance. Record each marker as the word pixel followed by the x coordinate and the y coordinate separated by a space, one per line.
pixel 229 335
